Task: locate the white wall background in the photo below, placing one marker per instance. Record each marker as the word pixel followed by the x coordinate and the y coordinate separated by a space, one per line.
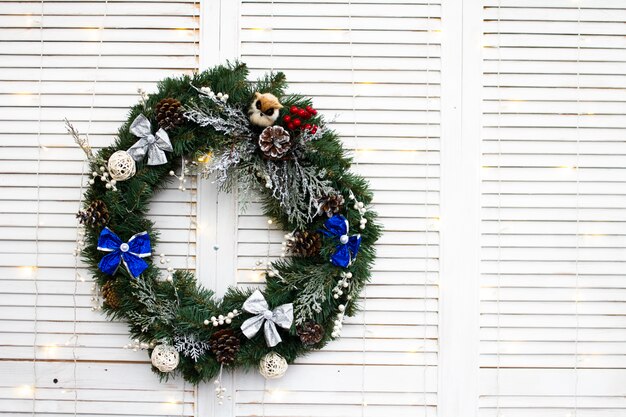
pixel 531 91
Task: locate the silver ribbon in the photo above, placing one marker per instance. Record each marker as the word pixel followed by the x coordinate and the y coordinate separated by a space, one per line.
pixel 268 319
pixel 153 145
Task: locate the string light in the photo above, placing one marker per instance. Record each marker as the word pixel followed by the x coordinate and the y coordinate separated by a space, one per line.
pixel 499 216
pixel 80 233
pixel 426 216
pixel 269 221
pixel 27 271
pixel 193 185
pixel 38 207
pixel 358 206
pixel 25 391
pixel 182 180
pixel 577 250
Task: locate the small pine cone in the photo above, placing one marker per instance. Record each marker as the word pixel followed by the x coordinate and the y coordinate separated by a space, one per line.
pixel 331 204
pixel 275 142
pixel 310 333
pixel 305 243
pixel 225 345
pixel 110 296
pixel 169 113
pixel 97 214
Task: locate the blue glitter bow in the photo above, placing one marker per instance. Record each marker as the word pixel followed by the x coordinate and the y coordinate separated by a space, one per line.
pixel 348 246
pixel 129 253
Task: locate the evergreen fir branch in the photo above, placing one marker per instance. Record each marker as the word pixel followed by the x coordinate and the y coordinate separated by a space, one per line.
pixel 157 310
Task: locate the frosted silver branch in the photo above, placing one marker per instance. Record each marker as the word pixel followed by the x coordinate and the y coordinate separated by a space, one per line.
pixel 297 187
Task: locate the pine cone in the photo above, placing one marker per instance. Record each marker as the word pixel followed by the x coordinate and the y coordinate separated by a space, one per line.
pixel 169 113
pixel 331 204
pixel 225 345
pixel 305 243
pixel 110 295
pixel 97 214
pixel 310 333
pixel 275 142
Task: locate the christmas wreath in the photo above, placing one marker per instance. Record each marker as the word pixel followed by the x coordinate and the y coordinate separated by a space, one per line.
pixel 269 147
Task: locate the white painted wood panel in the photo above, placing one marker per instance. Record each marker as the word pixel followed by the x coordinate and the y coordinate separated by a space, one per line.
pixel 552 296
pixel 373 68
pixel 552 284
pixel 76 49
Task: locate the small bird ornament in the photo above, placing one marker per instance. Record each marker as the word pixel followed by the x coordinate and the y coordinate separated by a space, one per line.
pixel 264 109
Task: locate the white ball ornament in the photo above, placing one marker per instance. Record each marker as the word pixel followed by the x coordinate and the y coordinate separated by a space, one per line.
pixel 121 166
pixel 165 358
pixel 273 366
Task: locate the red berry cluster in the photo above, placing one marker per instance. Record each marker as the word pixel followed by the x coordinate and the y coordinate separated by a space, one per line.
pixel 294 120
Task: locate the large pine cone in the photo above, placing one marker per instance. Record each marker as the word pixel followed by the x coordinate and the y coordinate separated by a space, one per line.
pixel 330 204
pixel 310 333
pixel 110 296
pixel 97 214
pixel 169 113
pixel 275 142
pixel 305 243
pixel 225 345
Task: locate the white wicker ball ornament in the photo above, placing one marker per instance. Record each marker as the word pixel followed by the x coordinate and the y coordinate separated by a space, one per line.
pixel 273 366
pixel 121 166
pixel 165 358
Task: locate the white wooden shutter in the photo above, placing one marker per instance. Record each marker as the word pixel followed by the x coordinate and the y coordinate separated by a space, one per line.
pixel 553 333
pixel 387 112
pixel 141 43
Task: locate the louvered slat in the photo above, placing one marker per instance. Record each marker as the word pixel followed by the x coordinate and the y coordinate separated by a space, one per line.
pixel 553 298
pixel 142 42
pixel 390 350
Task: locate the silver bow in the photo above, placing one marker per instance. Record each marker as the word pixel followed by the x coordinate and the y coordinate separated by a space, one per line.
pixel 153 145
pixel 281 315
